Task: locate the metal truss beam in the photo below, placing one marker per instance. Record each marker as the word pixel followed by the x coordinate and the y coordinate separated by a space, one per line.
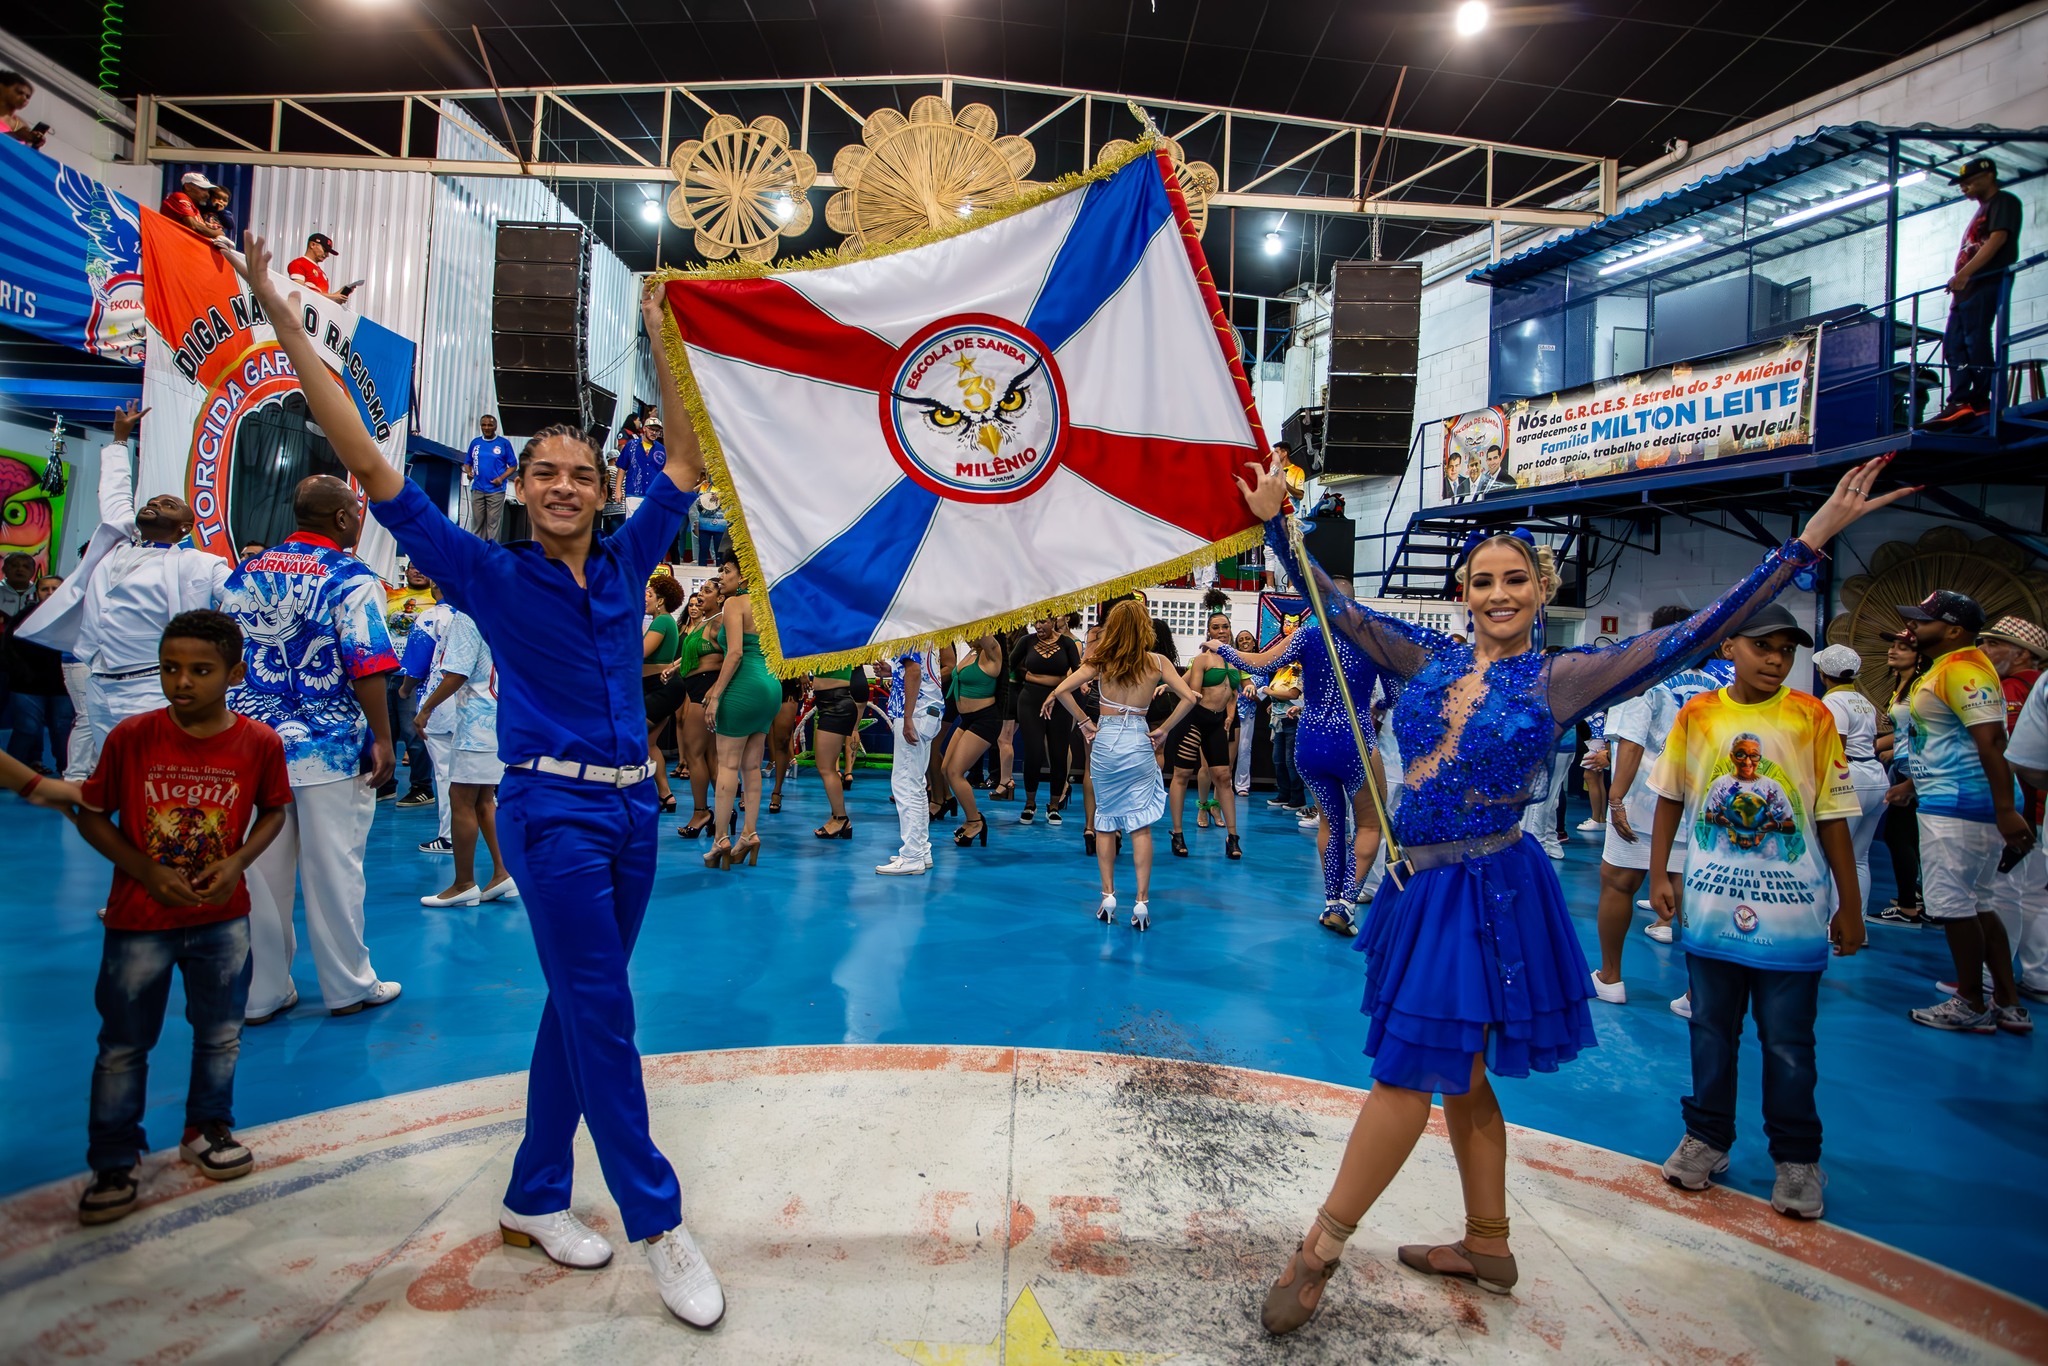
pixel 608 133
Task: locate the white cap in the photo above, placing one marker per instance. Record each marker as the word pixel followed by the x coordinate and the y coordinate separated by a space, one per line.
pixel 198 181
pixel 1837 660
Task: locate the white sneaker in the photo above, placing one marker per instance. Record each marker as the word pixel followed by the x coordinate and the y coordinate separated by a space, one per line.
pixel 468 896
pixel 1556 851
pixel 383 993
pixel 1682 1007
pixel 1659 931
pixel 688 1286
pixel 561 1235
pixel 1644 905
pixel 1590 824
pixel 1309 820
pixel 1614 993
pixel 902 867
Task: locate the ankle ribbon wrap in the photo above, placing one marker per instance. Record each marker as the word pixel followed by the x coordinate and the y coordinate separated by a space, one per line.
pixel 1331 1237
pixel 1476 1227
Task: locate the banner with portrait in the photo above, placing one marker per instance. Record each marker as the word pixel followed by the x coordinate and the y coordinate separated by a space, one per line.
pixel 1743 403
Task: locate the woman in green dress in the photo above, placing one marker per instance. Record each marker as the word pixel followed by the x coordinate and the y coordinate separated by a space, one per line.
pixel 740 708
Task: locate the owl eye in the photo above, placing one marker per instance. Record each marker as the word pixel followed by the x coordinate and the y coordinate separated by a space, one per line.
pixel 947 417
pixel 1013 401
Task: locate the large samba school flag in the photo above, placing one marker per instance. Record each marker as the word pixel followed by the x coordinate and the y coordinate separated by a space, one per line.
pixel 1034 411
pixel 226 410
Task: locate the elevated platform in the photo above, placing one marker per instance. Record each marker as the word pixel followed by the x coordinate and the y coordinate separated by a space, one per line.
pixel 1071 1208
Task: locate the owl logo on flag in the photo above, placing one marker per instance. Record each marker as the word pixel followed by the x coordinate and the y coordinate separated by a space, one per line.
pixel 975 410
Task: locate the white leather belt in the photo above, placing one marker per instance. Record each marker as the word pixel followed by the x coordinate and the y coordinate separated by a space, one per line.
pixel 590 773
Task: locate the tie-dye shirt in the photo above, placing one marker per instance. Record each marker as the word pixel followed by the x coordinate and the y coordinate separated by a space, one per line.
pixel 312 620
pixel 1959 690
pixel 1756 778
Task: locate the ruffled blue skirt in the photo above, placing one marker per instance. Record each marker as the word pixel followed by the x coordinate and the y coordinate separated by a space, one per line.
pixel 1478 957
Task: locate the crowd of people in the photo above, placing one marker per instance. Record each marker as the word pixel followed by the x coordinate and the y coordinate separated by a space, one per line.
pixel 236 724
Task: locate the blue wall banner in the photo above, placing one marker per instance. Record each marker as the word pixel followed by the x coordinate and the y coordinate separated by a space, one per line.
pixel 70 257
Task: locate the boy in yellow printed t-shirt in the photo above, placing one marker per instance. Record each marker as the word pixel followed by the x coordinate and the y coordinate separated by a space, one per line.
pixel 1757 774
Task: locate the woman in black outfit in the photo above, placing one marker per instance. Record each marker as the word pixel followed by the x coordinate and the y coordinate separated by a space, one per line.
pixel 1042 660
pixel 782 737
pixel 1900 827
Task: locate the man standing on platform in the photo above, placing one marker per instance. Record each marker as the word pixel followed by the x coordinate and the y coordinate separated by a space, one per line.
pixel 489 464
pixel 110 614
pixel 317 650
pixel 1991 243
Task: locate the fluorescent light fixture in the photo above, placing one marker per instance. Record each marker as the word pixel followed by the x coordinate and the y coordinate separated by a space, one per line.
pixel 1854 197
pixel 1274 243
pixel 1471 18
pixel 1691 239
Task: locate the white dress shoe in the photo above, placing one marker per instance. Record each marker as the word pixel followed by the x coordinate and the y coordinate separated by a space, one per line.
pixel 1659 931
pixel 507 889
pixel 1614 993
pixel 468 896
pixel 383 993
pixel 689 1287
pixel 561 1235
pixel 902 867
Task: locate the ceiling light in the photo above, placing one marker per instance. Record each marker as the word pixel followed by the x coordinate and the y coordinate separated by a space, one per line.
pixel 1273 244
pixel 1653 254
pixel 1854 197
pixel 785 208
pixel 1472 17
pixel 650 212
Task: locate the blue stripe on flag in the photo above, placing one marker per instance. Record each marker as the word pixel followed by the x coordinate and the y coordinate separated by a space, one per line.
pixel 836 598
pixel 1118 218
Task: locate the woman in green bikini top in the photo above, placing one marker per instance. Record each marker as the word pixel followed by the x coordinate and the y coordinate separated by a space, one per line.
pixel 973 690
pixel 740 708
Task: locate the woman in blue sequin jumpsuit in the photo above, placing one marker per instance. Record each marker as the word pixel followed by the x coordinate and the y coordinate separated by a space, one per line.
pixel 1325 754
pixel 1473 964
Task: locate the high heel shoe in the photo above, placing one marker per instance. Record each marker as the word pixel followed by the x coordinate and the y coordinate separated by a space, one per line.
pixel 979 826
pixel 1003 792
pixel 1180 845
pixel 844 832
pixel 1231 848
pixel 1088 843
pixel 668 804
pixel 719 855
pixel 1141 916
pixel 1106 912
pixel 945 808
pixel 774 803
pixel 748 847
pixel 695 828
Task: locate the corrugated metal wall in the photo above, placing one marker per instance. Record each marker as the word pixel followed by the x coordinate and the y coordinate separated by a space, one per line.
pixel 379 221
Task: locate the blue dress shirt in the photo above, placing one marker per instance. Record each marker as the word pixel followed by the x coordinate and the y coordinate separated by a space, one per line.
pixel 568 657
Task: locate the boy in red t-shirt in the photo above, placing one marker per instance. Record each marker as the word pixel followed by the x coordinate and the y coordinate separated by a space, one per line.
pixel 186 782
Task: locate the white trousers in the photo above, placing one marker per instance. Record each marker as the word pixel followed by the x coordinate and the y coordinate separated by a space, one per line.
pixel 441 752
pixel 2021 900
pixel 907 785
pixel 84 751
pixel 1870 782
pixel 1539 819
pixel 320 848
pixel 108 703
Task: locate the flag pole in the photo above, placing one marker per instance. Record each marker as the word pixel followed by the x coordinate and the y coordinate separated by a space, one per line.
pixel 1389 846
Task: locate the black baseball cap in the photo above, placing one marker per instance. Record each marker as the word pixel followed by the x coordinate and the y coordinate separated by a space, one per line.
pixel 1772 618
pixel 1945 604
pixel 324 240
pixel 1974 166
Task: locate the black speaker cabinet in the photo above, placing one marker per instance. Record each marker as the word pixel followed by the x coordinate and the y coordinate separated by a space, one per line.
pixel 561 242
pixel 1377 282
pixel 1373 355
pixel 1389 460
pixel 540 279
pixel 533 351
pixel 1367 429
pixel 538 388
pixel 1333 541
pixel 1303 430
pixel 1401 318
pixel 561 317
pixel 1371 393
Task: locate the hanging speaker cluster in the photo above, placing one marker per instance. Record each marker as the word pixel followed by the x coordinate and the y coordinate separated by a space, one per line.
pixel 1375 339
pixel 540 325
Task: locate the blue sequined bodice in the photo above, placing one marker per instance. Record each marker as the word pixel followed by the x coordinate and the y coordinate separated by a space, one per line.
pixel 1476 781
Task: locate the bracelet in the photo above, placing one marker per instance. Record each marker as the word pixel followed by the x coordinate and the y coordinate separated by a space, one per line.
pixel 35 780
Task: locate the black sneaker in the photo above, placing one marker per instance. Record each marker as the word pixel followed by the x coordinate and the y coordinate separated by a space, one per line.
pixel 1052 815
pixel 388 791
pixel 217 1153
pixel 110 1196
pixel 437 846
pixel 419 796
pixel 1892 915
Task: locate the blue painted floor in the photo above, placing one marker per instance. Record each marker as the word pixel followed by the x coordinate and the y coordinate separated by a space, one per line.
pixel 997 946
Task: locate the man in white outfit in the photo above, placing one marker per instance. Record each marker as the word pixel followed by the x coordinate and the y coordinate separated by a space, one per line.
pixel 316 650
pixel 110 614
pixel 1856 720
pixel 915 706
pixel 2017 648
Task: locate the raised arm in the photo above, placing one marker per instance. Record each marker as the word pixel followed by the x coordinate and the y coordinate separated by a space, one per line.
pixel 329 403
pixel 685 464
pixel 1399 647
pixel 117 481
pixel 1584 681
pixel 1278 655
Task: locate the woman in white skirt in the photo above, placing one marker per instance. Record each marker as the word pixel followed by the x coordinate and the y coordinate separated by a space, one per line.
pixel 469 683
pixel 1123 758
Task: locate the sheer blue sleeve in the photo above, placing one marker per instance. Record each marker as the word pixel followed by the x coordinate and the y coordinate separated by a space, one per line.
pixel 1592 678
pixel 1289 653
pixel 1400 647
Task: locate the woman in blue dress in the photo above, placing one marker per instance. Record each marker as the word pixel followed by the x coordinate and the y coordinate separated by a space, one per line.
pixel 1472 961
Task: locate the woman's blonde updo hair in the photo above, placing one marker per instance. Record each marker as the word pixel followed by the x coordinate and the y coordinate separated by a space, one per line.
pixel 1542 563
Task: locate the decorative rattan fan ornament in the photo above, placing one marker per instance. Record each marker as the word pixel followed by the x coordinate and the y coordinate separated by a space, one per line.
pixel 742 188
pixel 1991 570
pixel 909 175
pixel 1198 179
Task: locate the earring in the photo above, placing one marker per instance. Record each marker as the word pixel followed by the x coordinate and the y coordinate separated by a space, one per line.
pixel 1537 634
pixel 1471 627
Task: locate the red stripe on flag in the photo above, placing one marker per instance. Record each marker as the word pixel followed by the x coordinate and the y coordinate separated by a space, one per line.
pixel 1226 335
pixel 1186 483
pixel 765 322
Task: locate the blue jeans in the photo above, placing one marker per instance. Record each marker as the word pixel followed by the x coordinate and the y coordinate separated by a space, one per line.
pixel 708 545
pixel 1286 780
pixel 405 735
pixel 1784 1005
pixel 133 990
pixel 1967 342
pixel 32 716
